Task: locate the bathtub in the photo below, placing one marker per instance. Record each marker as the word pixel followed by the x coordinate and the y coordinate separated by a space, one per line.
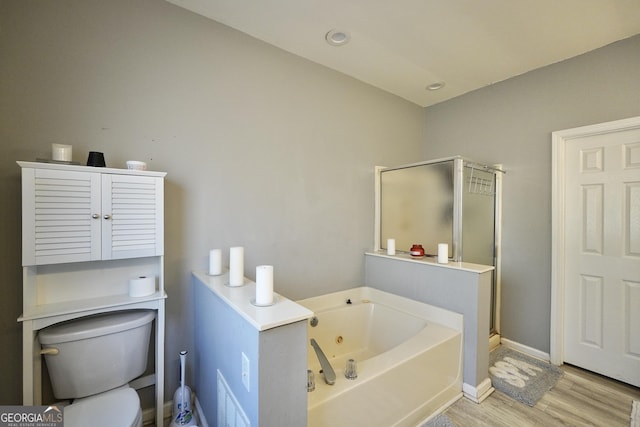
pixel 408 355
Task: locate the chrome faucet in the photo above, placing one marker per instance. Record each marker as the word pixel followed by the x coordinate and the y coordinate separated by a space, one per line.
pixel 327 371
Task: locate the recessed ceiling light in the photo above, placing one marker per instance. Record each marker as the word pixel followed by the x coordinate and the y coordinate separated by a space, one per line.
pixel 337 37
pixel 435 86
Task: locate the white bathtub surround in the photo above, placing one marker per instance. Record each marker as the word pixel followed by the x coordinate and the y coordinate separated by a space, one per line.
pixel 458 286
pixel 264 285
pixel 408 355
pixel 215 262
pixel 443 253
pixel 236 266
pixel 391 246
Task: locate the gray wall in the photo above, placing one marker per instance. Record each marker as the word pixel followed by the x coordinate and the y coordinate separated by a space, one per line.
pixel 263 148
pixel 511 123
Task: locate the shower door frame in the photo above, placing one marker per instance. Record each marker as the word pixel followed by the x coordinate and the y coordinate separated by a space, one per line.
pixel 458 165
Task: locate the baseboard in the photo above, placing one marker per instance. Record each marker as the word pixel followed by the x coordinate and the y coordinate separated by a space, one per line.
pixel 478 393
pixel 494 341
pixel 149 414
pixel 202 420
pixel 525 349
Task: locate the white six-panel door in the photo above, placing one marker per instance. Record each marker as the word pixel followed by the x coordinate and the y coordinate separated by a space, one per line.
pixel 601 252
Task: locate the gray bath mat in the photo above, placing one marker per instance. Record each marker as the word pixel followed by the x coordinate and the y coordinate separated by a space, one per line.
pixel 440 420
pixel 521 377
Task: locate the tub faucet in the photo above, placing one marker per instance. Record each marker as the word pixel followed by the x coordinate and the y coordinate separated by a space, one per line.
pixel 327 371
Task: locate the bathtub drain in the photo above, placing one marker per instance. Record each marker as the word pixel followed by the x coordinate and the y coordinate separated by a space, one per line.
pixel 339 339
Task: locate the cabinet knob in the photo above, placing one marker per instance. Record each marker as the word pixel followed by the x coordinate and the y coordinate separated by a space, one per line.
pixel 107 216
pixel 95 216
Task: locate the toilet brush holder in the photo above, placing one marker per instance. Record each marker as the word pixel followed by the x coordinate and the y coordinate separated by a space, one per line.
pixel 182 413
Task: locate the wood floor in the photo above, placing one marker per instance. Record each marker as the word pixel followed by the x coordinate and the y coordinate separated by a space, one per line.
pixel 580 398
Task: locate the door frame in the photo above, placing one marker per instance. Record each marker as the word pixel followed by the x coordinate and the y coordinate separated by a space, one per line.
pixel 559 141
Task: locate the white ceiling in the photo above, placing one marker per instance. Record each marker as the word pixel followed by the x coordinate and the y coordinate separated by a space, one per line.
pixel 402 46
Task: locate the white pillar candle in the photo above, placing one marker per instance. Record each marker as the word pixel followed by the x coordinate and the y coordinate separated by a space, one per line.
pixel 443 253
pixel 264 285
pixel 236 266
pixel 391 246
pixel 215 262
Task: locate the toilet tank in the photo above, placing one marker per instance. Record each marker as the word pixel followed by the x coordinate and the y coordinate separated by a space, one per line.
pixel 97 353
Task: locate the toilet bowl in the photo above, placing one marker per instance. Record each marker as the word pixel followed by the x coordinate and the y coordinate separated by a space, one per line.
pixel 92 360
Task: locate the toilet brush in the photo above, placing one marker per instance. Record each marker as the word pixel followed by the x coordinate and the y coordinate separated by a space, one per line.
pixel 182 414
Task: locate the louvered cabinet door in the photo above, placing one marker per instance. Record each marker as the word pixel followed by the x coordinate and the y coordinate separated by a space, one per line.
pixel 132 212
pixel 61 216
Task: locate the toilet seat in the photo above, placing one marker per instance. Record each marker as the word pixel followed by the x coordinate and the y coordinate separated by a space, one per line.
pixel 119 407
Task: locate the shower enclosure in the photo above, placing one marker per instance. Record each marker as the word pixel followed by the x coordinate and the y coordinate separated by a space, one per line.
pixel 452 200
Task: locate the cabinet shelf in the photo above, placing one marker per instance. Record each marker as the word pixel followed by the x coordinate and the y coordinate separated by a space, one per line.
pixel 88 306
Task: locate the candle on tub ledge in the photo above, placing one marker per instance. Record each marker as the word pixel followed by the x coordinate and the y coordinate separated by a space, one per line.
pixel 215 262
pixel 264 285
pixel 443 253
pixel 391 246
pixel 236 266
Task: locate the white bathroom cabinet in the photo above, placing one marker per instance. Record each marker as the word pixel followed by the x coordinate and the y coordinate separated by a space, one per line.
pixel 85 232
pixel 80 215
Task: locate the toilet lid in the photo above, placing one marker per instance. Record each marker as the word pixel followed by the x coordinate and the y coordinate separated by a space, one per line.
pixel 120 407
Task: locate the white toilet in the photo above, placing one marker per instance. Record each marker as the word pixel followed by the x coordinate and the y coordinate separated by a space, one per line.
pixel 96 358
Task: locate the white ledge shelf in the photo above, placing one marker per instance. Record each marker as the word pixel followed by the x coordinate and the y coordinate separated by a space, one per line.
pixel 86 305
pixel 465 266
pixel 283 312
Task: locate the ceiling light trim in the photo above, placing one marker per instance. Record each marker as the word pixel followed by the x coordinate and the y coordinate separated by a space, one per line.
pixel 435 86
pixel 337 37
